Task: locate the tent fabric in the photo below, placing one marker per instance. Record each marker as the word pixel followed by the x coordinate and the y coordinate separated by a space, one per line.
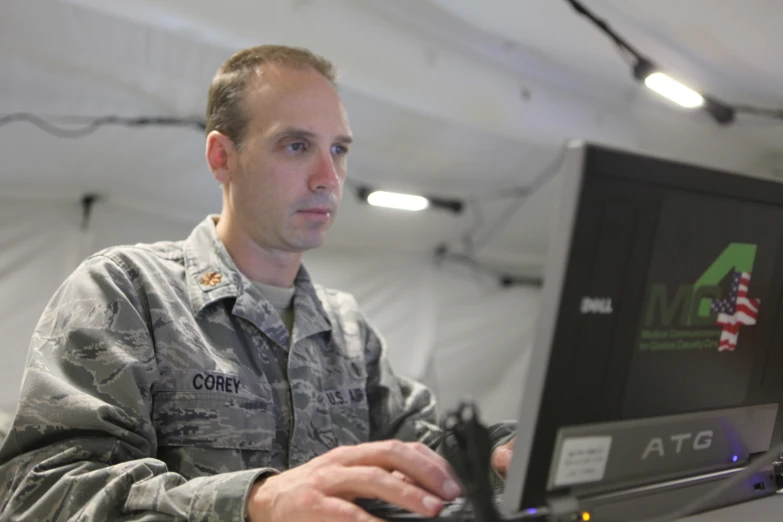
pixel 455 330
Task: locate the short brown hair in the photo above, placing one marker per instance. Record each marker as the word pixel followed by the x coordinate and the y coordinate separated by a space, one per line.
pixel 227 92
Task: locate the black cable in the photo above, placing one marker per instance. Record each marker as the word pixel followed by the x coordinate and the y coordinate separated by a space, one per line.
pixel 52 129
pixel 621 42
pixel 722 112
pixel 474 204
pixel 90 125
pixel 502 221
pixel 522 196
pixel 468 448
pixel 472 240
pixel 505 193
pixel 93 124
pixel 760 111
pixel 442 253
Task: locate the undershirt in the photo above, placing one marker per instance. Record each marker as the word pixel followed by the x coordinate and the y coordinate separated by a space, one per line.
pixel 282 299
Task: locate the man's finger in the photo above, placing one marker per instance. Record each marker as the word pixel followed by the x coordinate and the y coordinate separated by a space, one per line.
pixel 501 459
pixel 432 473
pixel 438 460
pixel 401 476
pixel 354 482
pixel 339 510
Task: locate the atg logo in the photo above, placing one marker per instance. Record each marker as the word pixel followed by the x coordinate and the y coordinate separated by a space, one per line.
pixel 703 303
pixel 656 447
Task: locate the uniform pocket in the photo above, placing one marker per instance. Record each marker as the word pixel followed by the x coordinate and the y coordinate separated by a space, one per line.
pixel 197 412
pixel 345 396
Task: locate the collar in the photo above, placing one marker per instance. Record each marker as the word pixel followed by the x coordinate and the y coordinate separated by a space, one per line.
pixel 212 276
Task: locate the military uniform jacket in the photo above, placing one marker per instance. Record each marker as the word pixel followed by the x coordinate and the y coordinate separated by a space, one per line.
pixel 160 385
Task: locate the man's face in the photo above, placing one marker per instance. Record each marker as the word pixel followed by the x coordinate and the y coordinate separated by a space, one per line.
pixel 288 175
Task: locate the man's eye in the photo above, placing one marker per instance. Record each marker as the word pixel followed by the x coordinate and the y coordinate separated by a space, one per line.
pixel 297 147
pixel 339 150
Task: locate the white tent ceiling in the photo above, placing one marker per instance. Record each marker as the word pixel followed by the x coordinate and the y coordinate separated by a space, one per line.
pixel 452 97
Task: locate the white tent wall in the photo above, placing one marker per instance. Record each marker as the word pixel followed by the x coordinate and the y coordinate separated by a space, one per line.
pixel 459 98
pixel 41 242
pixel 35 238
pixel 455 330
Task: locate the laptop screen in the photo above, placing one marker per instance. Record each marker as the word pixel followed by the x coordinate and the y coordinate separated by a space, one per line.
pixel 709 279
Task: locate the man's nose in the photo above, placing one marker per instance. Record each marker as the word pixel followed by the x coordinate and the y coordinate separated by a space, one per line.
pixel 325 174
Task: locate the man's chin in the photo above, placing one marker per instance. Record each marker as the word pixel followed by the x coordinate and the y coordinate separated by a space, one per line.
pixel 305 244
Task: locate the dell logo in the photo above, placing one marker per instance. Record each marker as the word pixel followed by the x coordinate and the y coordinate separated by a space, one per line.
pixel 702 441
pixel 597 305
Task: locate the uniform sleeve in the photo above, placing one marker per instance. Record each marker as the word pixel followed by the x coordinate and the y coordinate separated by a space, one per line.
pixel 402 408
pixel 82 445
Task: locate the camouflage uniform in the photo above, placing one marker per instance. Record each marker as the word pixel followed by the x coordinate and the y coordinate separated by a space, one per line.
pixel 160 385
pixel 5 425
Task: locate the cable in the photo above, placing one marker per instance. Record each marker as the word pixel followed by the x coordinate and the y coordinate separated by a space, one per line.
pixel 93 124
pixel 539 181
pixel 621 42
pixel 468 234
pixel 472 241
pixel 721 111
pixel 468 448
pixel 698 504
pixel 506 193
pixel 442 253
pixel 760 111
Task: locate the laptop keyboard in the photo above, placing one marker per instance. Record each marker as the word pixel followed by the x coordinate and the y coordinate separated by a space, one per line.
pixel 454 510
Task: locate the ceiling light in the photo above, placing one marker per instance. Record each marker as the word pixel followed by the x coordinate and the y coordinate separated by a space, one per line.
pixel 646 71
pixel 381 198
pixel 667 86
pixel 674 90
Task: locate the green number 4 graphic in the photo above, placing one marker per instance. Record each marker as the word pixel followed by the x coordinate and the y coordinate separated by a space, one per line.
pixel 738 257
pixel 695 302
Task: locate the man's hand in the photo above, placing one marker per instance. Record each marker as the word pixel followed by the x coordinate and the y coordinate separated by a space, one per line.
pixel 501 458
pixel 407 474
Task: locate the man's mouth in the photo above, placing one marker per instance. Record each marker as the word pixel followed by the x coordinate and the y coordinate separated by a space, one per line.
pixel 317 213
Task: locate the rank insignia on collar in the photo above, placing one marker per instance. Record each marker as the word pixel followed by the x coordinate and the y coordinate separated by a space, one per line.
pixel 210 279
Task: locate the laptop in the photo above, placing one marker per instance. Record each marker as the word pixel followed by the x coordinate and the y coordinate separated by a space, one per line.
pixel 656 371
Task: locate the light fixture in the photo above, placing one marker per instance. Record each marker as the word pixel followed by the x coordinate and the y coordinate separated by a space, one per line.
pixel 674 90
pixel 396 200
pixel 720 111
pixel 381 198
pixel 667 86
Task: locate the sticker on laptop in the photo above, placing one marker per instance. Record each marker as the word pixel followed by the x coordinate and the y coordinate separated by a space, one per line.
pixel 582 460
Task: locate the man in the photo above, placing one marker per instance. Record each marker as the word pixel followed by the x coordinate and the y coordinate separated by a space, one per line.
pixel 210 379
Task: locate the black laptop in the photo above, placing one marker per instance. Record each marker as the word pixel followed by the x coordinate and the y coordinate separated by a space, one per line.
pixel 656 372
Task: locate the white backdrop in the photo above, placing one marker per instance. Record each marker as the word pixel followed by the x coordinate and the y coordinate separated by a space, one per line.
pixel 453 329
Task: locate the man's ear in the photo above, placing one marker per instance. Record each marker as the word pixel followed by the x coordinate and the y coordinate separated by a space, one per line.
pixel 220 155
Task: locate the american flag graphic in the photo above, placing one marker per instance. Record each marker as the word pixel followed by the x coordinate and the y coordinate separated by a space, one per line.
pixel 735 311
